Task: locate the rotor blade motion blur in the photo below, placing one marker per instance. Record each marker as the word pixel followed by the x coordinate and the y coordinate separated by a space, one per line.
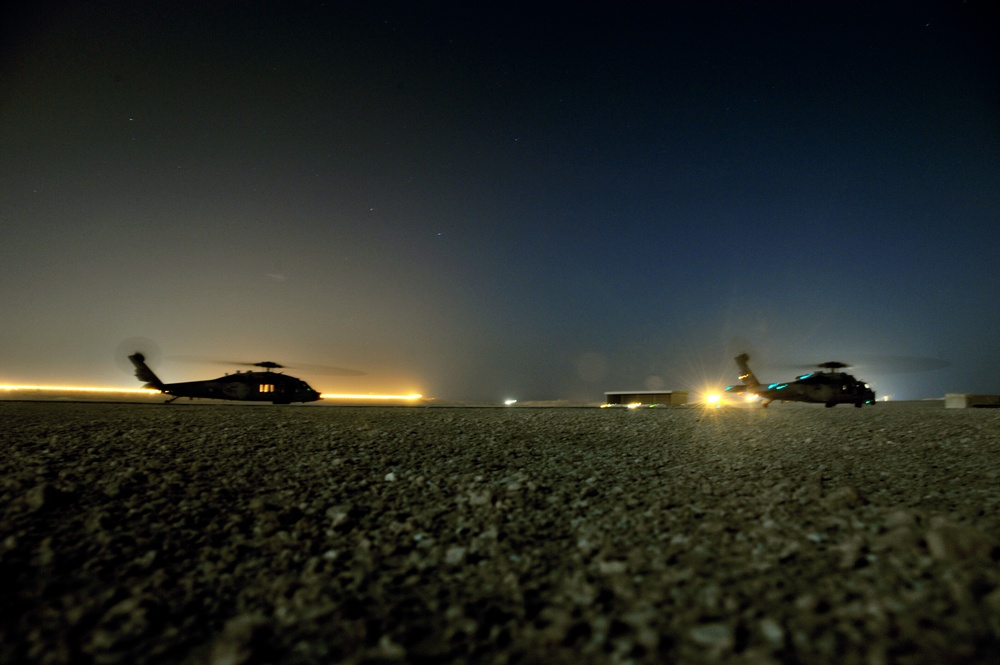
pixel 880 365
pixel 324 370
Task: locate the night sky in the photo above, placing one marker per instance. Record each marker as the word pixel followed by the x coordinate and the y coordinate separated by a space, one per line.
pixel 480 201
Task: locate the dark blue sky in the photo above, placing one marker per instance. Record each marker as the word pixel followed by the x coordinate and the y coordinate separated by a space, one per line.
pixel 515 200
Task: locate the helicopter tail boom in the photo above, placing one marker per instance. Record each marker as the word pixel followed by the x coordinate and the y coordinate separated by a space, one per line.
pixel 746 374
pixel 143 373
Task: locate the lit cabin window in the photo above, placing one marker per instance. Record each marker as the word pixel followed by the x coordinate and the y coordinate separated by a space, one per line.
pixel 266 388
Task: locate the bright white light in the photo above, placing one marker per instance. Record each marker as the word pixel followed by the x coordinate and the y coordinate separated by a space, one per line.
pixel 635 405
pixel 508 402
pixel 713 399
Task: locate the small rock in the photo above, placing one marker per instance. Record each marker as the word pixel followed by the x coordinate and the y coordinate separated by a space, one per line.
pixel 241 637
pixel 717 636
pixel 957 542
pixel 46 497
pixel 613 567
pixel 455 556
pixel 772 631
pixel 387 650
pixel 898 538
pixel 480 498
pixel 843 497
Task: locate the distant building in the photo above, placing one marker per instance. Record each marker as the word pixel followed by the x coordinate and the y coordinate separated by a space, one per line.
pixel 964 401
pixel 647 397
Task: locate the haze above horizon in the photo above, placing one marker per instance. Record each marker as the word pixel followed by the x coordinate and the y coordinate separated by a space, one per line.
pixel 511 201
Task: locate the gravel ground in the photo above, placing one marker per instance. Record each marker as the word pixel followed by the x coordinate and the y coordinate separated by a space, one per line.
pixel 232 534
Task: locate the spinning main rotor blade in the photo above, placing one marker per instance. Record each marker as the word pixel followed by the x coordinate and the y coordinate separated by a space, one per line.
pixel 881 365
pixel 900 364
pixel 324 370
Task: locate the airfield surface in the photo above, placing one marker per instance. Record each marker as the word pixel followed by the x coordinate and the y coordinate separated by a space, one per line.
pixel 232 534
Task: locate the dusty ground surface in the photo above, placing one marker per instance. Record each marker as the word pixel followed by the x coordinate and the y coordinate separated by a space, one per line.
pixel 230 534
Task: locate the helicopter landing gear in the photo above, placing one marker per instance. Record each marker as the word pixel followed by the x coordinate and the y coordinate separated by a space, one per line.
pixel 857 405
pixel 830 405
pixel 172 399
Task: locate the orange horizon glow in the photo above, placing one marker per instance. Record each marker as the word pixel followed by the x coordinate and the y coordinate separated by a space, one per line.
pixel 409 397
pixel 83 389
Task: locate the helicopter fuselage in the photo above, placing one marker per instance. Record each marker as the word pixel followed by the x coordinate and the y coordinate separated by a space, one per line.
pixel 247 386
pixel 829 388
pixel 823 388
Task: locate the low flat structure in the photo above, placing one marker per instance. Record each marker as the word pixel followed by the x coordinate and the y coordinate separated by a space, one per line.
pixel 647 397
pixel 966 400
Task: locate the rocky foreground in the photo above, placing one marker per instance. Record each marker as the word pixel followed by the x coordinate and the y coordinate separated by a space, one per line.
pixel 229 534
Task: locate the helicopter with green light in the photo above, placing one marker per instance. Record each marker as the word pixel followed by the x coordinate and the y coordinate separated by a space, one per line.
pixel 827 386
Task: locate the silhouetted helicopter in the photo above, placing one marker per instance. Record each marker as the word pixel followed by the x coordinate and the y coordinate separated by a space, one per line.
pixel 249 386
pixel 830 387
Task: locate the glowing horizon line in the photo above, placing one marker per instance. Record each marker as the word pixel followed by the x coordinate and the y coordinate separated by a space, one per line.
pixel 83 389
pixel 411 396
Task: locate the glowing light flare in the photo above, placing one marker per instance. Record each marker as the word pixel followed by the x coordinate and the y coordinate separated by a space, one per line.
pixel 348 396
pixel 81 389
pixel 713 399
